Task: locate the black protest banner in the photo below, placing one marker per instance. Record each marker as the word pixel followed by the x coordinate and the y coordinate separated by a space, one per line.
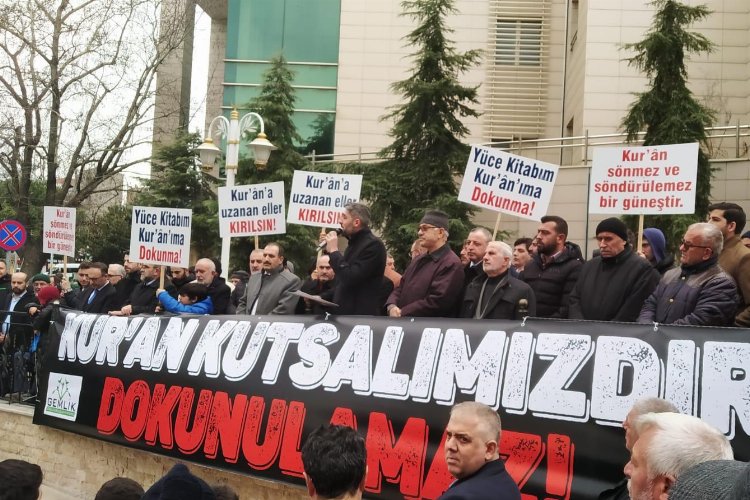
pixel 242 392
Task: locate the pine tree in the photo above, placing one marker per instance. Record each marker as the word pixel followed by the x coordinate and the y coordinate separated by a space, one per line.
pixel 275 104
pixel 426 154
pixel 668 111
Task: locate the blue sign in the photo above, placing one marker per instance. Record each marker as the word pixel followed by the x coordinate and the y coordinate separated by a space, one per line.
pixel 12 235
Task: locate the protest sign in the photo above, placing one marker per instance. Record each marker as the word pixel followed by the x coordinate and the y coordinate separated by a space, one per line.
pixel 507 183
pixel 161 236
pixel 59 231
pixel 252 210
pixel 242 393
pixel 644 179
pixel 317 199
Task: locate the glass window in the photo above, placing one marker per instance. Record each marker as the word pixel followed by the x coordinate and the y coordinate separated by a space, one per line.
pixel 518 42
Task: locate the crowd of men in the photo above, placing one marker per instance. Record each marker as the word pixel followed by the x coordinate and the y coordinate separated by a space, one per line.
pixel 545 276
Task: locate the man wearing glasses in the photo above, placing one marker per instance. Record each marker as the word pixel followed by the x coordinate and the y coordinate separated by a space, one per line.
pixel 614 285
pixel 100 297
pixel 433 282
pixel 698 292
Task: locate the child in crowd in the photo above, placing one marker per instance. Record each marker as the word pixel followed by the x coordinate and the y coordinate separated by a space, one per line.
pixel 192 299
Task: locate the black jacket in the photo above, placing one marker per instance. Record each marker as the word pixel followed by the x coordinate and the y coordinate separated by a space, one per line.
pixel 220 293
pixel 553 281
pixel 491 482
pixel 503 299
pixel 20 331
pixel 613 289
pixel 104 301
pixel 143 299
pixel 359 274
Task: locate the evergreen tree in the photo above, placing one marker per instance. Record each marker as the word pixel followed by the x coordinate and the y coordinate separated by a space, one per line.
pixel 426 154
pixel 177 182
pixel 104 237
pixel 275 104
pixel 668 111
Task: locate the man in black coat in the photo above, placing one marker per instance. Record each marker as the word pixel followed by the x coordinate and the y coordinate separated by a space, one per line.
pixel 15 333
pixel 472 456
pixel 207 274
pixel 613 286
pixel 553 270
pixel 495 294
pixel 143 298
pixel 359 270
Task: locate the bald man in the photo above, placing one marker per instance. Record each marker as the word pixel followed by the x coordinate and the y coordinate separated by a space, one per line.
pixel 15 327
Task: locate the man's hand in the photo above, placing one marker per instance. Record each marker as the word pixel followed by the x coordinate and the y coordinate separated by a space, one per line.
pixel 33 311
pixel 159 290
pixel 126 310
pixel 394 311
pixel 332 242
pixel 2 338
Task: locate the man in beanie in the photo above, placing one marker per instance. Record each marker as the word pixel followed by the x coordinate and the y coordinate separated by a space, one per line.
pixel 614 285
pixel 433 283
pixel 179 484
pixel 359 269
pixel 668 445
pixel 699 292
pixel 38 281
pixel 655 250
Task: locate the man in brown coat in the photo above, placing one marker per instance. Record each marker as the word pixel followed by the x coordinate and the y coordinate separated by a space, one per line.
pixel 735 257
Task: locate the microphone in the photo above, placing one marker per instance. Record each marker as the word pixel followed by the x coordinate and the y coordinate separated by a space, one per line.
pixel 322 244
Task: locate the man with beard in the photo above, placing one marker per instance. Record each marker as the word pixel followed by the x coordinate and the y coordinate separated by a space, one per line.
pixel 669 444
pixel 553 270
pixel 207 274
pixel 15 333
pixel 255 261
pixel 641 407
pixel 698 292
pixel 495 294
pixel 143 298
pixel 180 276
pixel 359 270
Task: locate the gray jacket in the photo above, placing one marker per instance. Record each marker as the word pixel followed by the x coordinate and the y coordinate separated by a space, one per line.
pixel 706 297
pixel 274 291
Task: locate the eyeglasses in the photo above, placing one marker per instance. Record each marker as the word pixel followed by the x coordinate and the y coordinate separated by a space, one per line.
pixel 689 245
pixel 425 227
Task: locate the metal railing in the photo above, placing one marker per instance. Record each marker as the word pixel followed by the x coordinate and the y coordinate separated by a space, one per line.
pixel 715 137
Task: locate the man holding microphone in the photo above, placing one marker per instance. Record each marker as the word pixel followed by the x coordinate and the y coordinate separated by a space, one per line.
pixel 359 270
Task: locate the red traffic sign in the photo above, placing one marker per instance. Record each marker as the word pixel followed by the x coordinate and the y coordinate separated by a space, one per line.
pixel 12 235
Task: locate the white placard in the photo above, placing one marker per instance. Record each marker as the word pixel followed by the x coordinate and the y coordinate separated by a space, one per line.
pixel 507 183
pixel 644 180
pixel 161 236
pixel 59 231
pixel 318 199
pixel 252 210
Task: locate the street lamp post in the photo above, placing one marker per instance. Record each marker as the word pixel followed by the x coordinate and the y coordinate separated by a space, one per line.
pixel 232 130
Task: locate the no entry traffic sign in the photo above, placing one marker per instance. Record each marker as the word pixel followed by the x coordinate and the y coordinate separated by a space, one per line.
pixel 12 235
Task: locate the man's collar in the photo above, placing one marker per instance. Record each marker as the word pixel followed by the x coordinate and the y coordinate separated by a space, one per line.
pixel 437 254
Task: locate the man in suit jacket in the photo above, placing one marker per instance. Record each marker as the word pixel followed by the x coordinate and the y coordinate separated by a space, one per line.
pixel 15 322
pixel 271 290
pixel 100 297
pixel 359 270
pixel 472 439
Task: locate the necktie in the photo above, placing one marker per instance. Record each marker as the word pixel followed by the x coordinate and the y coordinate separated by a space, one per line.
pixel 91 297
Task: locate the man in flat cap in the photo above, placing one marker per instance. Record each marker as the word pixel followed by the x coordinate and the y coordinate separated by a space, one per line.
pixel 614 285
pixel 433 282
